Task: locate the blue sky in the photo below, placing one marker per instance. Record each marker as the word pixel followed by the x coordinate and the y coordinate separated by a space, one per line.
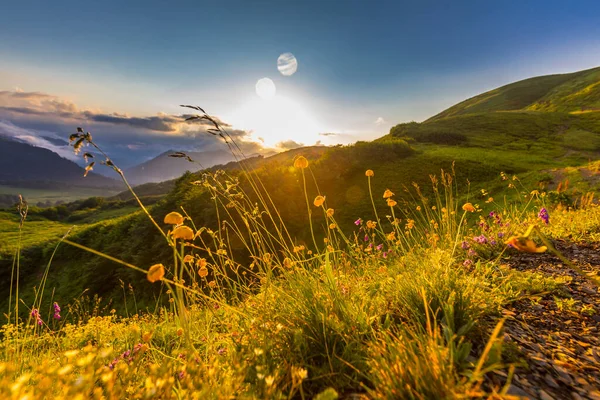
pixel 359 62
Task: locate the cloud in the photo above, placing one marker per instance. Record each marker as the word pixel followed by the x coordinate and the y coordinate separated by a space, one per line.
pixel 380 121
pixel 328 134
pixel 42 105
pixel 288 145
pixel 127 139
pixel 37 139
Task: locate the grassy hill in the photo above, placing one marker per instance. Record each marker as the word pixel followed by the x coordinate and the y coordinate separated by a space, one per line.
pixel 574 92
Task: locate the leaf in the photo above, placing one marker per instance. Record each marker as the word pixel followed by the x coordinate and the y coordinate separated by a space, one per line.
pixel 73 136
pixel 88 168
pixel 192 118
pixel 87 155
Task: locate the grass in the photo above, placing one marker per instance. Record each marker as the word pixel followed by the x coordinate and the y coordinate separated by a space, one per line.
pixel 405 304
pixel 65 195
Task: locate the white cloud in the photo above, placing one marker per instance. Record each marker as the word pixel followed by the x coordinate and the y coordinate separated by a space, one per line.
pixel 34 138
pixel 380 121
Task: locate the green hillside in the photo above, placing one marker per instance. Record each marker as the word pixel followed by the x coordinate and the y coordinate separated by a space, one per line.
pixel 574 92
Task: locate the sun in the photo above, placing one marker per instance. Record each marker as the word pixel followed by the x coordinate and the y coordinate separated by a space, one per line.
pixel 276 120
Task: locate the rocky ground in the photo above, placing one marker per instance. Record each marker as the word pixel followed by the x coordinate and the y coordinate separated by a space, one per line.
pixel 557 337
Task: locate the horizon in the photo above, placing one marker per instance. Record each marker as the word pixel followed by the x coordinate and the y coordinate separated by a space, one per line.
pixel 360 69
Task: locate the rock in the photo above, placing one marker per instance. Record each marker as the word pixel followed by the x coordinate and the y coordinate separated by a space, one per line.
pixel 545 396
pixel 514 390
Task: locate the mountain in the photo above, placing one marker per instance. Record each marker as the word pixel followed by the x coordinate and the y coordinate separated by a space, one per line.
pixel 572 93
pixel 164 167
pixel 22 164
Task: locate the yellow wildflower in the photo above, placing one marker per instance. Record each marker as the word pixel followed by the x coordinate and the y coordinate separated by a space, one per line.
pixel 371 224
pixel 319 200
pixel 369 173
pixel 203 272
pixel 330 212
pixel 468 207
pixel 391 203
pixel 174 218
pixel 183 232
pixel 201 263
pixel 387 194
pixel 332 226
pixel 156 273
pixel 188 258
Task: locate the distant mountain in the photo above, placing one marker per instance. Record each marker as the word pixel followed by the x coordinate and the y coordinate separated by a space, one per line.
pixel 163 167
pixel 570 93
pixel 22 164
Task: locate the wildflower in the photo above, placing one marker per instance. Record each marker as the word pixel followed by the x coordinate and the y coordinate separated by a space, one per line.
pixel 467 263
pixel 301 162
pixel 387 194
pixel 391 203
pixel 366 238
pixel 480 239
pixel 56 310
pixel 180 332
pixel 493 242
pixel 174 218
pixel 468 207
pixel 319 200
pixel 371 224
pixel 418 208
pixel 222 351
pixel 491 199
pixel 156 273
pixel 203 272
pixel 183 232
pixel 188 259
pixel 201 263
pixel 385 254
pixel 379 247
pixel 332 226
pixel 212 284
pixel 525 244
pixel 465 245
pixel 358 222
pixel 369 173
pixel 410 223
pixel 500 234
pixel 287 262
pixel 391 235
pixel 544 216
pixel 471 253
pixel 146 337
pixel 36 314
pixel 330 212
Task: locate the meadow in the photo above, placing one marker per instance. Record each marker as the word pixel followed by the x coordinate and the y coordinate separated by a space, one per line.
pixel 331 276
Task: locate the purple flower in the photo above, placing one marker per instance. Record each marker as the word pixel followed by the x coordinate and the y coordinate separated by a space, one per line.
pixel 36 314
pixel 500 234
pixel 358 222
pixel 385 254
pixel 493 242
pixel 366 238
pixel 465 245
pixel 480 239
pixel 56 310
pixel 471 253
pixel 544 216
pixel 379 247
pixel 467 263
pixel 222 351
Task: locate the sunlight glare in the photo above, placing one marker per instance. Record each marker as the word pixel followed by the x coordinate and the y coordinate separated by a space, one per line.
pixel 278 120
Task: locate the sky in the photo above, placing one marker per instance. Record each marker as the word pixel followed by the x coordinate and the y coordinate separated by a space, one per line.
pixel 122 68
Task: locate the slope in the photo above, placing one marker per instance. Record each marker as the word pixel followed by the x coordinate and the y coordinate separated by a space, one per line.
pixel 561 92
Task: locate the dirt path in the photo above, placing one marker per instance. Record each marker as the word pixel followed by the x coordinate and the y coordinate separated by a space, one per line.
pixel 558 338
